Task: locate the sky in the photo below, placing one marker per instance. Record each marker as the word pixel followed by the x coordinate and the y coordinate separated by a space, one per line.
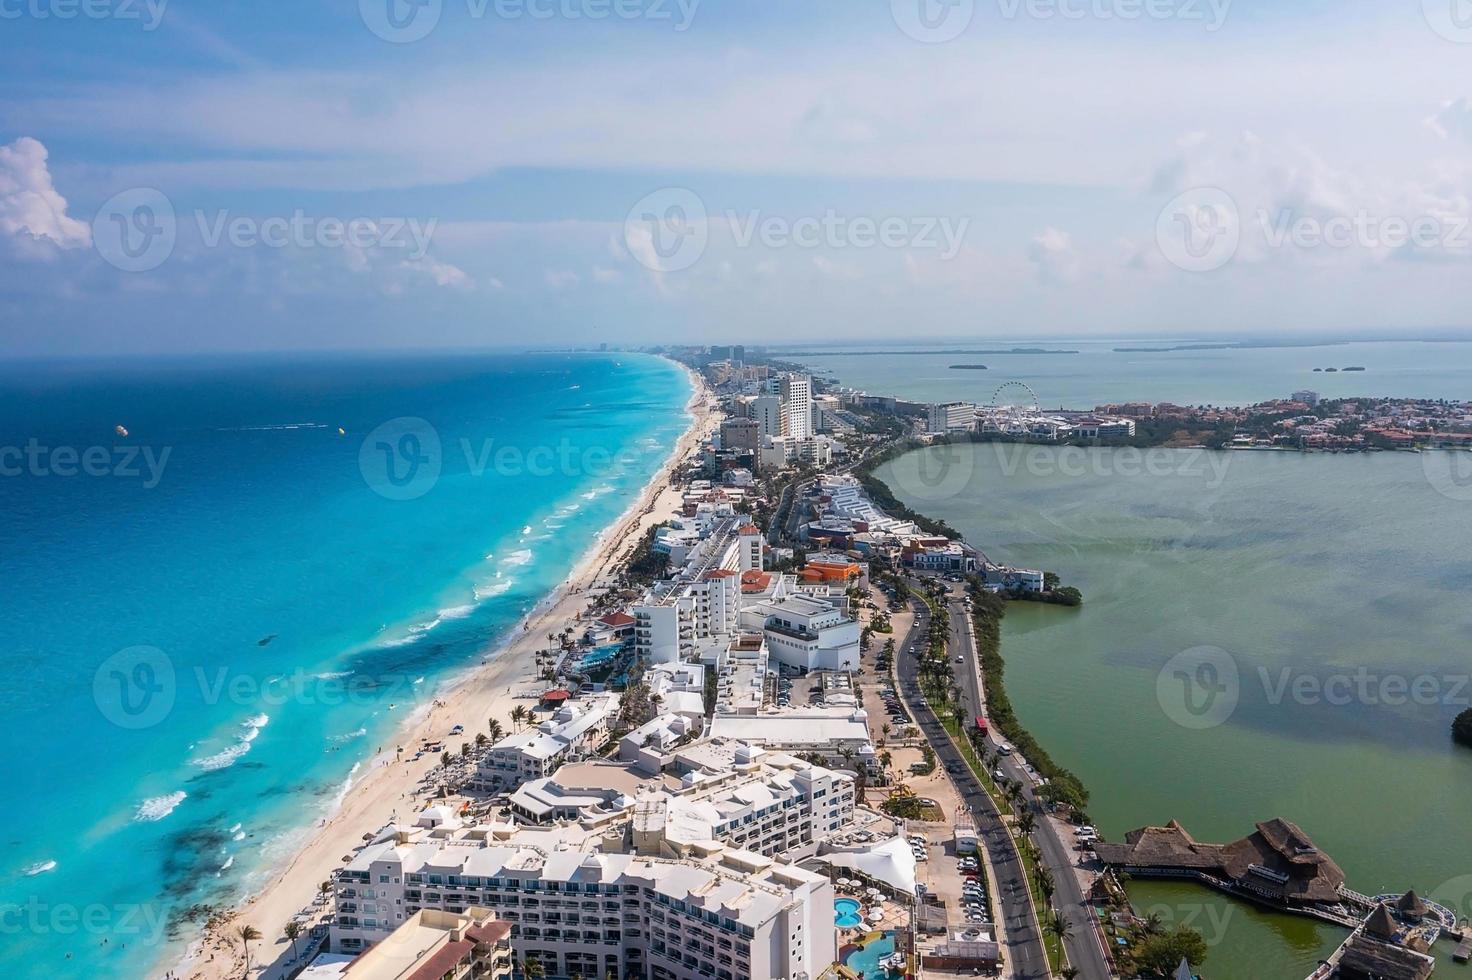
pixel 185 176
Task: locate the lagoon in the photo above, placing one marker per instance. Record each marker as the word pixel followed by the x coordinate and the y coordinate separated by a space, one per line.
pixel 1331 590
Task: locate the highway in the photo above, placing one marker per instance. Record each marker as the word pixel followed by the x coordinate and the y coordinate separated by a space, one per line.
pixel 1057 854
pixel 1024 950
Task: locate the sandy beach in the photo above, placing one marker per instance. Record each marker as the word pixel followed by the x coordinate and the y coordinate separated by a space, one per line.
pixel 388 785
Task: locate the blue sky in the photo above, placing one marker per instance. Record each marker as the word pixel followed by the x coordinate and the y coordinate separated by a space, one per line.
pixel 642 171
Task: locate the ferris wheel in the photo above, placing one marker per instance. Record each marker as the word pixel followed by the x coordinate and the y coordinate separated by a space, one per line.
pixel 1013 407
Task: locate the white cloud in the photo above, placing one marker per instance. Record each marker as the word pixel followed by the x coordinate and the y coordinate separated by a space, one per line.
pixel 1052 251
pixel 31 210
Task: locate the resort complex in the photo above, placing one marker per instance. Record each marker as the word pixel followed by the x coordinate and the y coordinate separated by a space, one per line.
pixel 755 744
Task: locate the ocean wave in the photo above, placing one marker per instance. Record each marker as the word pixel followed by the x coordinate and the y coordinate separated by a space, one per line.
pixel 349 736
pixel 599 491
pixel 492 589
pixel 526 530
pixel 234 828
pixel 517 558
pixel 457 612
pixel 332 675
pixel 342 791
pixel 39 868
pixel 157 807
pixel 238 835
pixel 227 757
pixel 226 866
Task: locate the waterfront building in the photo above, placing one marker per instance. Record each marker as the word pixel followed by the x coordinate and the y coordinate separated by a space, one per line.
pixel 574 730
pixel 720 912
pixel 1309 398
pixel 796 392
pixel 950 417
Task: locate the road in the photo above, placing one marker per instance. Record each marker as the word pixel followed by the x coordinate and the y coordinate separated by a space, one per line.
pixel 1082 944
pixel 1024 950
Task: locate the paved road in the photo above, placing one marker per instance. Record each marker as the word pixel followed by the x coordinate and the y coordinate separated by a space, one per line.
pixel 1057 854
pixel 1024 951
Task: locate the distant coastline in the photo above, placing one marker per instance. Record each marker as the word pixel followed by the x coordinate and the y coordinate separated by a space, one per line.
pixel 968 367
pixel 899 353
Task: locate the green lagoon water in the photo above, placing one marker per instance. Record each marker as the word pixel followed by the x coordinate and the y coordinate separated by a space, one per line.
pixel 1346 575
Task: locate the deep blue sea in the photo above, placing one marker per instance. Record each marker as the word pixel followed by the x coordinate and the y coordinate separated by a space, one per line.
pixel 211 621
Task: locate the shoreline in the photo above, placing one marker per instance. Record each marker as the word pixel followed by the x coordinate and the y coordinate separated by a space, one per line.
pixel 389 787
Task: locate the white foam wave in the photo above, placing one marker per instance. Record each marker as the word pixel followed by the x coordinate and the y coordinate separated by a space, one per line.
pixel 457 612
pixel 235 828
pixel 493 589
pixel 342 792
pixel 238 835
pixel 228 861
pixel 599 491
pixel 518 558
pixel 39 868
pixel 227 757
pixel 332 675
pixel 157 807
pixel 349 736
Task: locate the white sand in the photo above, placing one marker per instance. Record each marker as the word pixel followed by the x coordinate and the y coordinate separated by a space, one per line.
pixel 489 692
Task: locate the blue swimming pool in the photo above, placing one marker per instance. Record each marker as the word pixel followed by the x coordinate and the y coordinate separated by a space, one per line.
pixel 865 960
pixel 846 913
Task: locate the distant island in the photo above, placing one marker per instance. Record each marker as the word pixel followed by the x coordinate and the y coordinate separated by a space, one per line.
pixel 1162 350
pixel 1335 370
pixel 968 367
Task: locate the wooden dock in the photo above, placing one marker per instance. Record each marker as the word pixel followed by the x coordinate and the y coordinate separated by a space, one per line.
pixel 1463 952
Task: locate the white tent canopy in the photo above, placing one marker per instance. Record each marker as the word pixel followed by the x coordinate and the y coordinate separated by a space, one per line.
pixel 890 861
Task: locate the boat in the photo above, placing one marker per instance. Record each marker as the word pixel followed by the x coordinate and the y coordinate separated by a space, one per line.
pixel 120 430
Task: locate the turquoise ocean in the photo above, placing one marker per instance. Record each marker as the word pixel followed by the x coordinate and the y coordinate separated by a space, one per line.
pixel 211 622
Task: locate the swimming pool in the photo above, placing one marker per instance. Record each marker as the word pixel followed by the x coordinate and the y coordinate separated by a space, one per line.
pixel 846 913
pixel 865 960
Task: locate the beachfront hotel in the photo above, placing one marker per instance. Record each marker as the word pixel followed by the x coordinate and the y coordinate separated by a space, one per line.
pixel 579 726
pixel 721 913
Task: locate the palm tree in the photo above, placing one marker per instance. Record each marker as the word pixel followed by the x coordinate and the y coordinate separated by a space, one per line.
pixel 1026 822
pixel 291 932
pixel 248 935
pixel 496 730
pixel 1059 926
pixel 1046 885
pixel 532 968
pixel 1068 972
pixel 518 715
